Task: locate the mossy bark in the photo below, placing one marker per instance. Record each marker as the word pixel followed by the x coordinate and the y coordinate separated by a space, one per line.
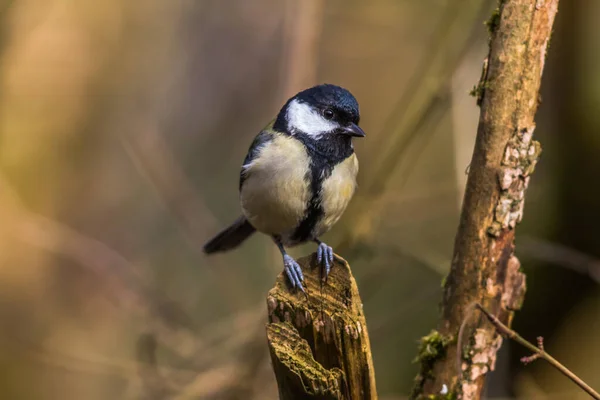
pixel 319 343
pixel 484 268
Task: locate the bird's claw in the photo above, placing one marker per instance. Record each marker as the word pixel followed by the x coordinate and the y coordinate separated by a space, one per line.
pixel 325 257
pixel 293 271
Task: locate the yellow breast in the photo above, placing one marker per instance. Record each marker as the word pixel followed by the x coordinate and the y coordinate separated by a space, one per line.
pixel 336 192
pixel 276 191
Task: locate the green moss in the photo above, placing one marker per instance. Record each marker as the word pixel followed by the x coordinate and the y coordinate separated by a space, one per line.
pixel 432 348
pixel 478 91
pixel 493 22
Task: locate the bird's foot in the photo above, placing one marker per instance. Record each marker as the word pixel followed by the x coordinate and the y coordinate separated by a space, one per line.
pixel 325 257
pixel 293 271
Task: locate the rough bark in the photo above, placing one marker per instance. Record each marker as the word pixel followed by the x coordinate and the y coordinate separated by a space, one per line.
pixel 319 343
pixel 484 268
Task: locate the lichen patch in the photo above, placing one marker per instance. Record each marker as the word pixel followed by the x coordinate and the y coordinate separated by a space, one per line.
pixel 483 353
pixel 520 157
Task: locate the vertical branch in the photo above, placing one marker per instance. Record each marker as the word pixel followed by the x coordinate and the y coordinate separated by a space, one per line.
pixel 484 268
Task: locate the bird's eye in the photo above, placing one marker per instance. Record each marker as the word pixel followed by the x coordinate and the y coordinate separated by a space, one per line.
pixel 328 113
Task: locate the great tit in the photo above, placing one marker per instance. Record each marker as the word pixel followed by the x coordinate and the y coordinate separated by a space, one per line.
pixel 298 176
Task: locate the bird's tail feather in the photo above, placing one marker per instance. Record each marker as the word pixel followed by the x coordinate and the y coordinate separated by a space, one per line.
pixel 230 237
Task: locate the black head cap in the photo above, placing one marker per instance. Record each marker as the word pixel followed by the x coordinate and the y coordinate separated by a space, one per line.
pixel 334 97
pixel 325 98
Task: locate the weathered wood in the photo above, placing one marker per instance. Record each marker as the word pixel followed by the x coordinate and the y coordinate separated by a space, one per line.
pixel 319 343
pixel 484 268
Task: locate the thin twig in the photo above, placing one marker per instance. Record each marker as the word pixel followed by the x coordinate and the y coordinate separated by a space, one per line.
pixel 538 352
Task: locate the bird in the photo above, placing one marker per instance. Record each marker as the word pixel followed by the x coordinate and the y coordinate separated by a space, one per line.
pixel 298 176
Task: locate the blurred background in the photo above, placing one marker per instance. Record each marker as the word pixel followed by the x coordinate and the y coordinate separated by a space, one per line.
pixel 123 125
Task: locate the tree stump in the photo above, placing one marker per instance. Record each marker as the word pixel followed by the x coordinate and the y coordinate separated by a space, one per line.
pixel 319 342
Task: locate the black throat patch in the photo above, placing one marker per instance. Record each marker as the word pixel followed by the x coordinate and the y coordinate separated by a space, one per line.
pixel 324 155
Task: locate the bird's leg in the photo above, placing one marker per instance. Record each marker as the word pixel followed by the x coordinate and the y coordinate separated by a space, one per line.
pixel 324 256
pixel 291 267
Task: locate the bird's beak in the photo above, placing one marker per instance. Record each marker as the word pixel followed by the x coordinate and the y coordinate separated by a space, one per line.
pixel 353 130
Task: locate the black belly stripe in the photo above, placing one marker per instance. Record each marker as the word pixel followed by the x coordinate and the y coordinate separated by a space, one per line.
pixel 314 211
pixel 324 156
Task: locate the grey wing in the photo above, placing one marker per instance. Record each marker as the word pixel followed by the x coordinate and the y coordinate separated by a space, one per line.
pixel 257 144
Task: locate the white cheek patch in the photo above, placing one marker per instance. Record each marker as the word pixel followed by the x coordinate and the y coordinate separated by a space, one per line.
pixel 302 117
